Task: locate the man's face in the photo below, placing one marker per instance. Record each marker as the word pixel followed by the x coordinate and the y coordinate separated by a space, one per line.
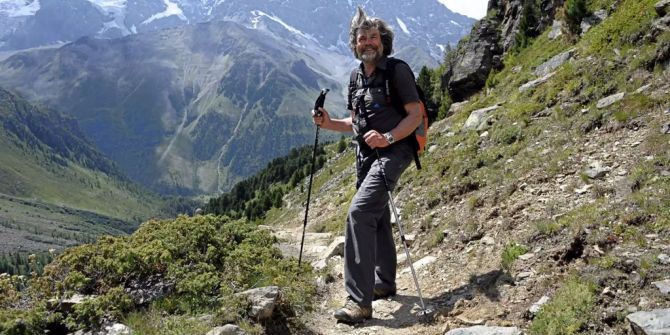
pixel 369 45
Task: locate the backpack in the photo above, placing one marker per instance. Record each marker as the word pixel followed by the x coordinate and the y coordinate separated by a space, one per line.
pixel 420 137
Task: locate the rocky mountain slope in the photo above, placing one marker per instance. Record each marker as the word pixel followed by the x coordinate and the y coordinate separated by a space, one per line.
pixel 186 110
pixel 421 37
pixel 542 207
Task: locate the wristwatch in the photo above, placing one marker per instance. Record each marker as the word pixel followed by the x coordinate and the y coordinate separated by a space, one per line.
pixel 389 137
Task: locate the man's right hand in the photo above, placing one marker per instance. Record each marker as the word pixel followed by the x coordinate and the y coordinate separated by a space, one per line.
pixel 322 119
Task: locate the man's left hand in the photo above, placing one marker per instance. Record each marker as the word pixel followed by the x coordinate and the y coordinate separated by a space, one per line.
pixel 375 140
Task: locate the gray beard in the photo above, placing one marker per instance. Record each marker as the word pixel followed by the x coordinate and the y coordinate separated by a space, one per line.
pixel 370 58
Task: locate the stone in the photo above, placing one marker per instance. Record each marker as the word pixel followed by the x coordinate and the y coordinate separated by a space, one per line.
pixel 263 301
pixel 663 259
pixel 596 170
pixel 610 100
pixel 477 117
pixel 663 286
pixel 422 263
pixel 336 248
pixel 458 106
pixel 662 8
pixel 474 60
pixel 593 20
pixel 556 30
pixel 484 330
pixel 227 330
pixel 553 63
pixel 536 82
pixel 535 308
pixel 656 322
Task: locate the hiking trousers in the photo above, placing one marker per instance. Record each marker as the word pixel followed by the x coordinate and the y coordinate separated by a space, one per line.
pixel 369 249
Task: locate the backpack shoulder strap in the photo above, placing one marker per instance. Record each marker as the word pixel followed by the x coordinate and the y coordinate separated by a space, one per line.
pixel 391 96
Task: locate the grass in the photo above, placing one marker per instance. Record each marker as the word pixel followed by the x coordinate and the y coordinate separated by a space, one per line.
pixel 510 254
pixel 568 311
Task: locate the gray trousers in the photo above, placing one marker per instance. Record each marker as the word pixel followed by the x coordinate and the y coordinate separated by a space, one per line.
pixel 369 249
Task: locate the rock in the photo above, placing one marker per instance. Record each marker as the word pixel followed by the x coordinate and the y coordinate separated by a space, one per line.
pixel 665 129
pixel 663 259
pixel 227 330
pixel 67 304
pixel 457 106
pixel 608 101
pixel 643 89
pixel 110 329
pixel 656 322
pixel 596 170
pixel 536 82
pixel 485 330
pixel 662 8
pixel 663 286
pixel 535 308
pixel 336 248
pixel 556 30
pixel 477 117
pixel 524 275
pixel 593 20
pixel 488 240
pixel 553 63
pixel 410 239
pixel 263 301
pixel 421 263
pixel 583 190
pixel 468 73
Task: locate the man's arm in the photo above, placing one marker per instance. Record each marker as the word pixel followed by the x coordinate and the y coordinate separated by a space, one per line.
pixel 325 122
pixel 405 128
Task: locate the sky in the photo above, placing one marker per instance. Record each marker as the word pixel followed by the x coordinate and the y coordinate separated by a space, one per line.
pixel 472 8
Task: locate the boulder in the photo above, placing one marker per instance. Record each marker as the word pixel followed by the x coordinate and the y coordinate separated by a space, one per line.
pixel 336 248
pixel 227 330
pixel 474 60
pixel 477 117
pixel 663 286
pixel 610 100
pixel 484 330
pixel 553 63
pixel 656 322
pixel 662 8
pixel 536 82
pixel 263 301
pixel 556 30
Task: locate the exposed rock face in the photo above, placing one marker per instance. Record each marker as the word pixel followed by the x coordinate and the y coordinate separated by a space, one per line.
pixel 494 35
pixel 474 61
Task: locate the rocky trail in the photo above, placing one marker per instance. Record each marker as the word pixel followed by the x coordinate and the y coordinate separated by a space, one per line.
pixel 462 279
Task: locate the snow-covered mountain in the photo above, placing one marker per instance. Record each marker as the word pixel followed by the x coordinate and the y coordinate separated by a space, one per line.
pixel 423 27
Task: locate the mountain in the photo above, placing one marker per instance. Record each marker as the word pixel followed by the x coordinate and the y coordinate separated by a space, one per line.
pixel 56 189
pixel 185 110
pixel 423 27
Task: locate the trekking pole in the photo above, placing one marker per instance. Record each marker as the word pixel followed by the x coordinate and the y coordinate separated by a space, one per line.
pixel 425 311
pixel 318 104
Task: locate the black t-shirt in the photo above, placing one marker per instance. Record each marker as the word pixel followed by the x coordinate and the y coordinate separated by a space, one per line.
pixel 380 111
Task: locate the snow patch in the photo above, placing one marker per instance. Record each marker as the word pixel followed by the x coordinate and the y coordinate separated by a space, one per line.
pixel 14 8
pixel 171 9
pixel 402 25
pixel 455 23
pixel 256 19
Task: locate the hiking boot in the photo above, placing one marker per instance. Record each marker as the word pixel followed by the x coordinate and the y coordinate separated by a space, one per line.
pixel 381 293
pixel 352 312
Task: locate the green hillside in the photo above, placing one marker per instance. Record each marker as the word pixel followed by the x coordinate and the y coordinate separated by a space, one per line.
pixel 56 188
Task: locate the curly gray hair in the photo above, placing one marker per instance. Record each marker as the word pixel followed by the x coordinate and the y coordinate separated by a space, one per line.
pixel 362 22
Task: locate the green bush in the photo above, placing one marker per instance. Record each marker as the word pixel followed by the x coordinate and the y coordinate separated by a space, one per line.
pixel 575 12
pixel 511 252
pixel 208 258
pixel 568 311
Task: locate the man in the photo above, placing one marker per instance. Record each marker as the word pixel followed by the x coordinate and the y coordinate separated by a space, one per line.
pixel 384 151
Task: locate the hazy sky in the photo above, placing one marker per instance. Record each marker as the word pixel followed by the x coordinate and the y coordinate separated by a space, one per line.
pixel 472 8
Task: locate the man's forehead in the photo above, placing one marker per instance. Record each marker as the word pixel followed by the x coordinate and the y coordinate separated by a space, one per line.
pixel 367 32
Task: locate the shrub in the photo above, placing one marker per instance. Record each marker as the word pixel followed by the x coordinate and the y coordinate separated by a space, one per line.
pixel 569 310
pixel 575 12
pixel 511 252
